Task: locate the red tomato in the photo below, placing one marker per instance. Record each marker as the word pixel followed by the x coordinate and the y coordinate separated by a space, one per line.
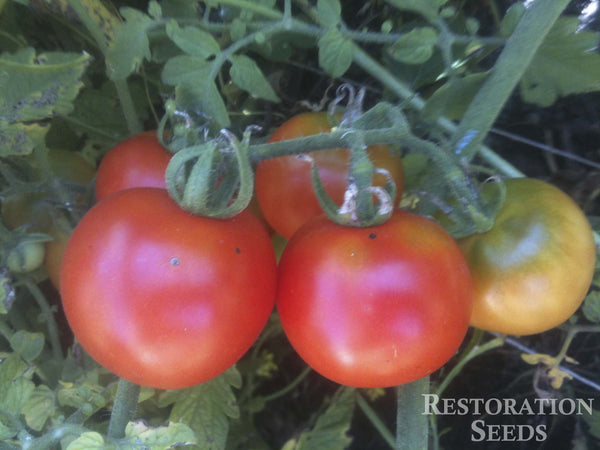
pixel 283 185
pixel 161 297
pixel 139 161
pixel 377 306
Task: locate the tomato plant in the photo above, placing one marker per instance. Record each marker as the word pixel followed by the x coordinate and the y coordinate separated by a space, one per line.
pixel 532 270
pixel 283 184
pixel 139 161
pixel 161 297
pixel 376 306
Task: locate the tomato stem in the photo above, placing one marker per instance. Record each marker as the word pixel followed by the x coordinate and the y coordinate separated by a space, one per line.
pixel 375 420
pixel 124 408
pixel 412 428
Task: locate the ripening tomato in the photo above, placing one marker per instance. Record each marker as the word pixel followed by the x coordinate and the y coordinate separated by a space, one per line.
pixel 377 306
pixel 532 270
pixel 139 161
pixel 164 298
pixel 37 208
pixel 284 187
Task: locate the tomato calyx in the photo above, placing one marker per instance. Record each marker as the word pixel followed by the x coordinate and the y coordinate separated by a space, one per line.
pixel 214 178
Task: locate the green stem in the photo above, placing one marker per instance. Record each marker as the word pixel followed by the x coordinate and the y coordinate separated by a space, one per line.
pixel 383 75
pixel 124 408
pixel 375 420
pixel 53 437
pixel 133 123
pixel 50 320
pixel 411 424
pixel 512 63
pixel 474 352
pixel 289 387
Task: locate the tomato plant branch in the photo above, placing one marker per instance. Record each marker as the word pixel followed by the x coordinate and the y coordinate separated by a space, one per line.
pixel 383 75
pixel 295 382
pixel 124 408
pixel 518 345
pixel 375 420
pixel 53 437
pixel 126 101
pixel 512 63
pixel 48 315
pixel 411 423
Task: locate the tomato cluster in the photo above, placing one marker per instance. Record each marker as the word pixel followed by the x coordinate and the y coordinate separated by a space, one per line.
pixel 169 300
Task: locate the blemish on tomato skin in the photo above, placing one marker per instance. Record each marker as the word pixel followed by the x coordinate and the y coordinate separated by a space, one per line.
pixel 174 261
pixel 372 236
pixel 237 250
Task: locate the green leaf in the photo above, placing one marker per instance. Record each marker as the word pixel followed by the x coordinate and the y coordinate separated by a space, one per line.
pixel 246 74
pixel 39 87
pixel 335 53
pixel 130 46
pixel 511 19
pixel 591 307
pixel 88 441
pixel 415 47
pixel 39 408
pixel 99 115
pixel 14 386
pixel 7 290
pixel 207 407
pixel 564 64
pixel 28 345
pixel 329 12
pixel 453 98
pixel 140 435
pixel 192 40
pixel 78 395
pixel 427 8
pixel 593 421
pixel 21 138
pixel 331 428
pixel 154 10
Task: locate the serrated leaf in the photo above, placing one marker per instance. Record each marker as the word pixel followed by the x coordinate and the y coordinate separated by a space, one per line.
pixel 28 345
pixel 130 45
pixel 140 435
pixel 39 408
pixel 38 87
pixel 415 47
pixel 331 428
pixel 88 441
pixel 207 407
pixel 15 388
pixel 77 395
pixel 99 115
pixel 329 12
pixel 195 90
pixel 335 53
pixel 453 99
pixel 591 307
pixel 21 138
pixel 564 64
pixel 427 8
pixel 192 40
pixel 246 74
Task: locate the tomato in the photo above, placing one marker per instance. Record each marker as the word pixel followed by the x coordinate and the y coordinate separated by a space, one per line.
pixel 377 306
pixel 283 185
pixel 139 161
pixel 161 297
pixel 25 257
pixel 55 251
pixel 36 208
pixel 532 270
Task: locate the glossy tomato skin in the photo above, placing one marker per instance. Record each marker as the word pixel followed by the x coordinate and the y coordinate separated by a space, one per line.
pixel 377 306
pixel 140 161
pixel 532 270
pixel 283 185
pixel 161 297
